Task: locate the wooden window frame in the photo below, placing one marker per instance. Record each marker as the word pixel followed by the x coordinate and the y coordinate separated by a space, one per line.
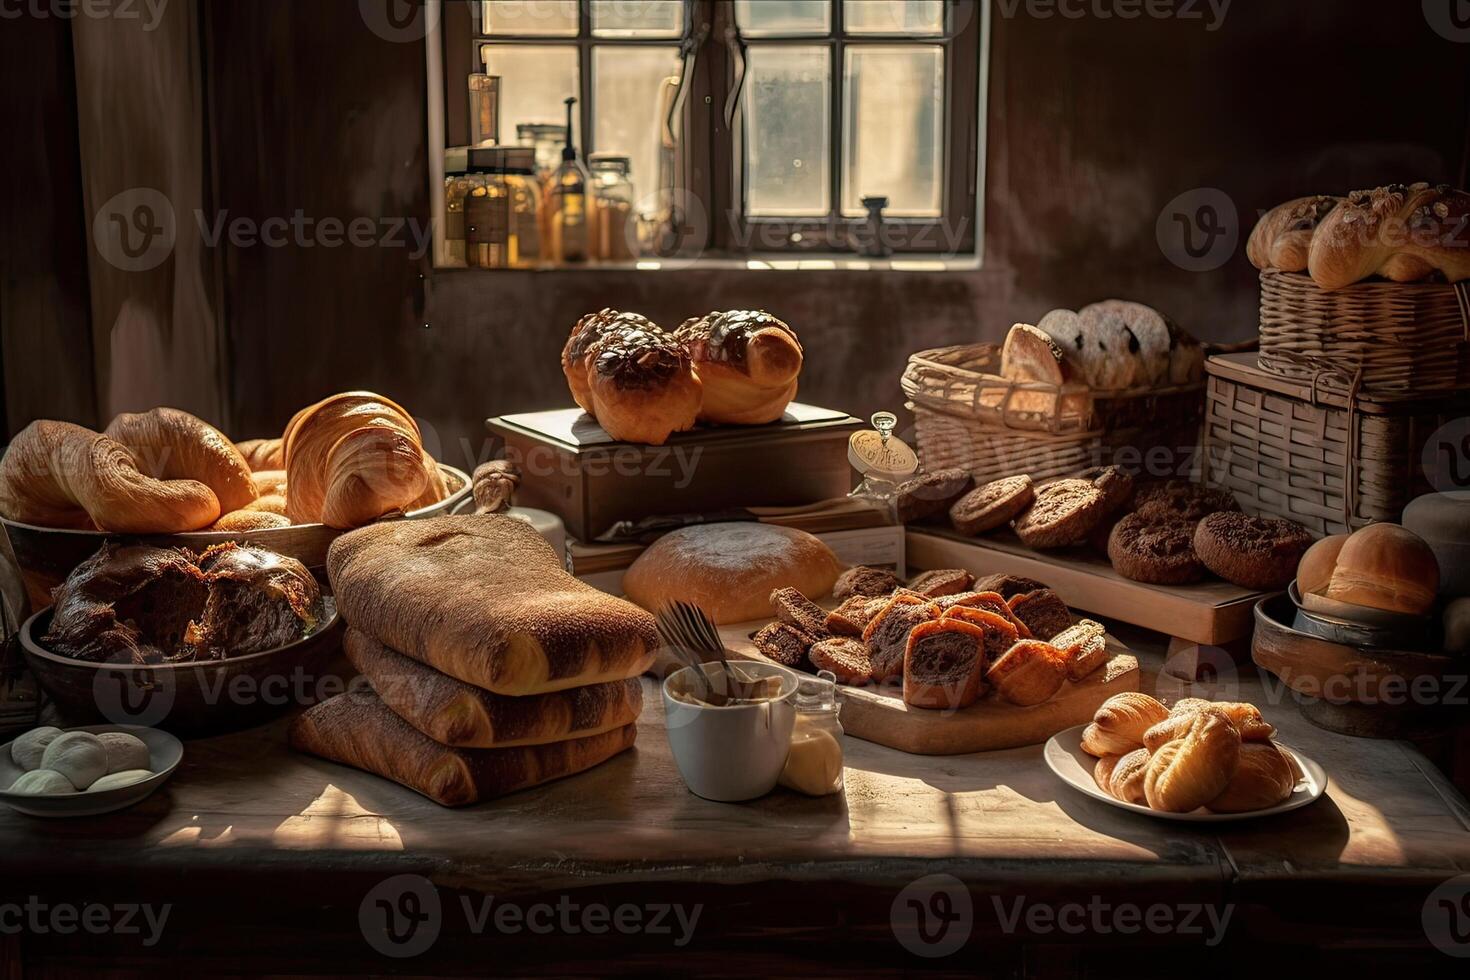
pixel 711 157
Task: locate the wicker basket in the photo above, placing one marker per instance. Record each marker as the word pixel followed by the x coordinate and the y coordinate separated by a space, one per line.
pixel 1331 462
pixel 1406 339
pixel 991 452
pixel 965 382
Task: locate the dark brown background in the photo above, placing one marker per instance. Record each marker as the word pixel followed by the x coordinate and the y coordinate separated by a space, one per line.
pixel 1094 126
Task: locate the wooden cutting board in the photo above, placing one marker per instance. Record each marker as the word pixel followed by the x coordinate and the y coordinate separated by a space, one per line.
pixel 989 724
pixel 1212 612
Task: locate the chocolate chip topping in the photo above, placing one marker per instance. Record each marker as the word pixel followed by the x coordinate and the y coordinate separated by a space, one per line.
pixel 635 358
pixel 724 336
pixel 594 326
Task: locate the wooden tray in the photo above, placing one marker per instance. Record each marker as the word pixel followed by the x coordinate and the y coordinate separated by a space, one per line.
pixel 1211 612
pixel 882 717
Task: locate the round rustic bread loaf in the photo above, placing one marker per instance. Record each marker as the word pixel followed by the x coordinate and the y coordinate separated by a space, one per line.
pixel 729 570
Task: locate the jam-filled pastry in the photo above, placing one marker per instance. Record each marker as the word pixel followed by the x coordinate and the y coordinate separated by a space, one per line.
pixel 588 331
pixel 643 386
pixel 748 360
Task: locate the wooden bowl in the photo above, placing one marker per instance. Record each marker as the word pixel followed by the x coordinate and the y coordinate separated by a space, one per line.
pixel 190 699
pixel 45 556
pixel 1360 690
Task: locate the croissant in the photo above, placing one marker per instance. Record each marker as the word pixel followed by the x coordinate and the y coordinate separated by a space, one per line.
pixel 1283 236
pixel 643 385
pixel 1401 233
pixel 173 445
pixel 63 475
pixel 263 454
pixel 1245 717
pixel 1102 773
pixel 1119 725
pixel 435 489
pixel 1128 776
pixel 748 361
pixel 1190 771
pixel 352 458
pixel 1263 778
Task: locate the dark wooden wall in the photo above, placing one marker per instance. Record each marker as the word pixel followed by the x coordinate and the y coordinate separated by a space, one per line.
pixel 1095 125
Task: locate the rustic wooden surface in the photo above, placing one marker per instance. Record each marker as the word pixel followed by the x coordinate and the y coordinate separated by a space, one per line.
pixel 267 857
pixel 879 714
pixel 1211 612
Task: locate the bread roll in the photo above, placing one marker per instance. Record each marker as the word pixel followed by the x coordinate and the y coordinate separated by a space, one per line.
pixel 357 729
pixel 1283 236
pixel 250 520
pixel 263 454
pixel 1314 571
pixel 1400 233
pixel 586 333
pixel 454 713
pixel 748 362
pixel 173 445
pixel 61 475
pixel 643 386
pixel 730 570
pixel 1386 566
pixel 485 599
pixel 1111 355
pixel 1152 337
pixel 1030 355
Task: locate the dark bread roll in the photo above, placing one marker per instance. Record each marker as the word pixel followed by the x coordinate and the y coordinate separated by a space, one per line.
pixel 258 600
pixel 357 729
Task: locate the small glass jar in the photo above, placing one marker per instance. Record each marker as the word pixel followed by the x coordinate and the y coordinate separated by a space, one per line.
pixel 569 206
pixel 458 182
pixel 500 208
pixel 546 141
pixel 814 765
pixel 613 226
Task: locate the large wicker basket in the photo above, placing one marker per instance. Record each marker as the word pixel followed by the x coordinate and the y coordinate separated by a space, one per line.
pixel 969 417
pixel 1400 340
pixel 1331 462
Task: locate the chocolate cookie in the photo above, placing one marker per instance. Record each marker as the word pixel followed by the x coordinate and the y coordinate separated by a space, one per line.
pixel 845 657
pixel 1063 514
pixel 864 580
pixel 941 581
pixel 925 496
pixel 1007 585
pixel 1114 483
pixel 994 505
pixel 1252 552
pixel 1180 498
pixel 1158 552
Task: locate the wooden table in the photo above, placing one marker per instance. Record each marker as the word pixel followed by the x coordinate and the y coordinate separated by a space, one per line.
pixel 269 859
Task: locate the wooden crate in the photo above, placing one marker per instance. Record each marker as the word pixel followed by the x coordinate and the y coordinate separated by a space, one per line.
pixel 574 469
pixel 1332 462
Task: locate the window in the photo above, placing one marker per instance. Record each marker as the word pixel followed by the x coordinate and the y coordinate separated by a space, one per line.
pixel 797 113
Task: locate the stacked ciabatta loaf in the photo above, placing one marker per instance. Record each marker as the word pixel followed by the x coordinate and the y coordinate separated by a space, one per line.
pixel 642 383
pixel 1211 754
pixel 347 460
pixel 1401 233
pixel 490 667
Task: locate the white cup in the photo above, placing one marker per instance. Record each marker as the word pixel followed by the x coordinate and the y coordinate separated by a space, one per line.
pixel 733 752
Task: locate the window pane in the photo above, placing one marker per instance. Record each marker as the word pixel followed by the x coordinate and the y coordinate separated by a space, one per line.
pixel 637 18
pixel 535 81
pixel 893 16
pixel 786 126
pixel 761 18
pixel 552 18
pixel 894 128
pixel 628 94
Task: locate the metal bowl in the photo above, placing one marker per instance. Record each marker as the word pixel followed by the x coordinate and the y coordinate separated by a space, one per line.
pixel 45 556
pixel 1360 626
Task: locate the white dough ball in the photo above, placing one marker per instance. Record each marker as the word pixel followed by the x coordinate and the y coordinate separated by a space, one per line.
pixel 39 782
pixel 27 750
pixel 79 756
pixel 116 780
pixel 124 751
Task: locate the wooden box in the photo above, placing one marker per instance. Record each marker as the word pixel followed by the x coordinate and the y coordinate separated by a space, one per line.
pixel 574 469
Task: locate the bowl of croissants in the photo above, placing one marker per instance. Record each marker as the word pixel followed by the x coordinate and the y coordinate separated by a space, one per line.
pixel 1198 760
pixel 170 478
pixel 642 383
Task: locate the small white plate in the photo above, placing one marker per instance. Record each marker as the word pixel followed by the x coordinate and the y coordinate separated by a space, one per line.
pixel 1065 757
pixel 164 755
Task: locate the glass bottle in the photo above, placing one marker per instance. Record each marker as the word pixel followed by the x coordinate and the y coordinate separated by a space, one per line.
pixel 484 98
pixel 458 182
pixel 490 240
pixel 567 201
pixel 546 140
pixel 613 227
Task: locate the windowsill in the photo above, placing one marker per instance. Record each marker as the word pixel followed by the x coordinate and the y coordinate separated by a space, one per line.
pixel 766 262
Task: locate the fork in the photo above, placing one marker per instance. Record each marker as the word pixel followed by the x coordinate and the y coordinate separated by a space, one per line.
pixel 689 631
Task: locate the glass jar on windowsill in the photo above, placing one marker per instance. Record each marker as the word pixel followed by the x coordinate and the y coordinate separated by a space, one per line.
pixel 614 226
pixel 500 223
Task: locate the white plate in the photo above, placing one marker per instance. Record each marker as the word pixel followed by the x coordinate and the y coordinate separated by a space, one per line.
pixel 164 755
pixel 1064 756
